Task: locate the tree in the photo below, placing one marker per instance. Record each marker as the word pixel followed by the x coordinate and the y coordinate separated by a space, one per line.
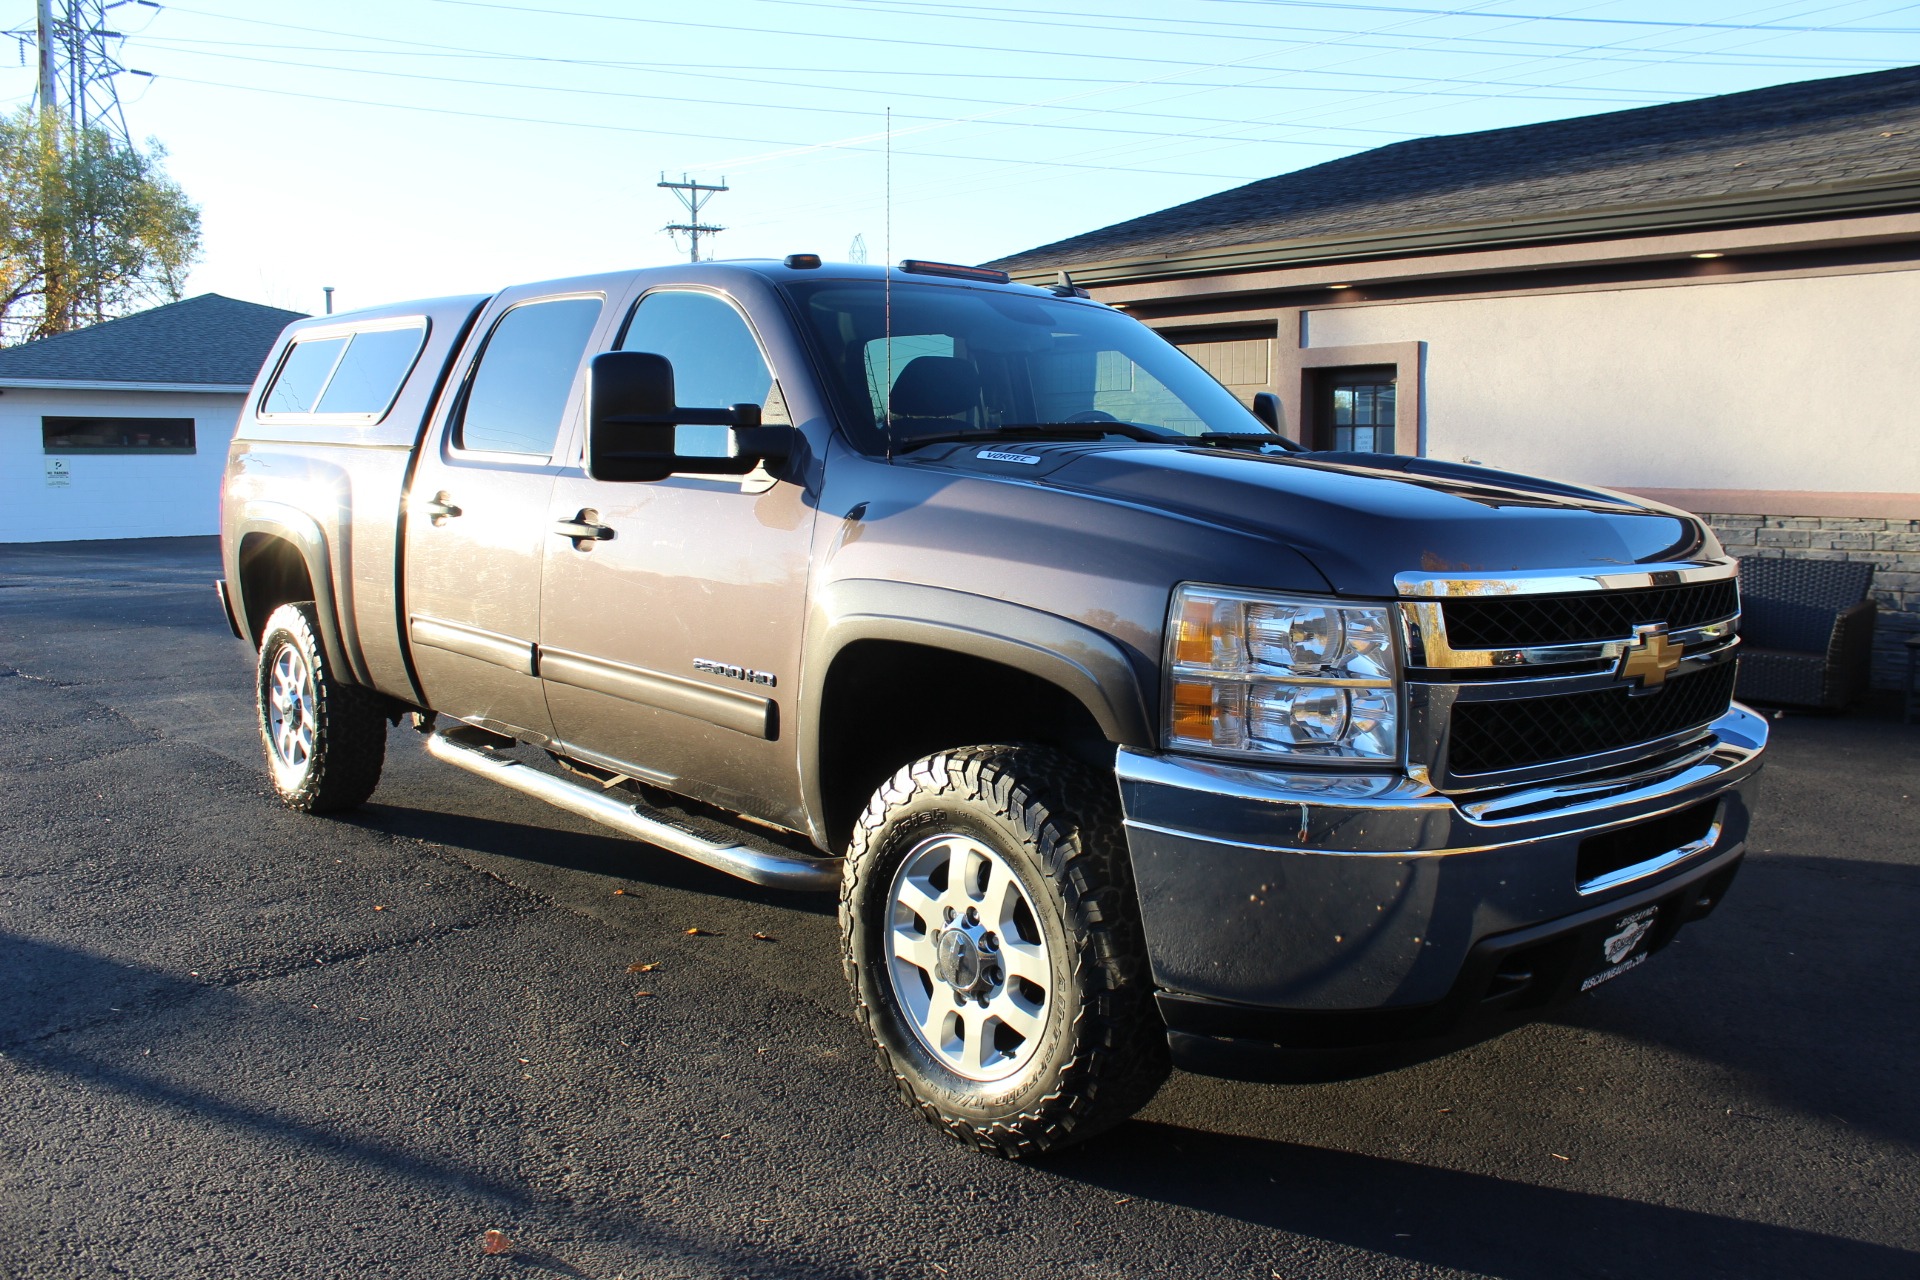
pixel 90 228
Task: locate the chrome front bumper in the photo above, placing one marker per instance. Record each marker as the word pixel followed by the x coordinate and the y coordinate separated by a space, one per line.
pixel 1319 892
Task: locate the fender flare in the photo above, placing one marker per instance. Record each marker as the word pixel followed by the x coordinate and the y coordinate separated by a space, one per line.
pixel 294 526
pixel 1087 664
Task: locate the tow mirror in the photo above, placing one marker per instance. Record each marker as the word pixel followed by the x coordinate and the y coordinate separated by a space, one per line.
pixel 1266 407
pixel 635 431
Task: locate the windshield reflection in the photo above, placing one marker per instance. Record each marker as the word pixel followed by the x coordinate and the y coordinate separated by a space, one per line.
pixel 954 362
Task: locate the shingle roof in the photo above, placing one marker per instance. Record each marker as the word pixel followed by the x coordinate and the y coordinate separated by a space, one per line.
pixel 1811 134
pixel 203 341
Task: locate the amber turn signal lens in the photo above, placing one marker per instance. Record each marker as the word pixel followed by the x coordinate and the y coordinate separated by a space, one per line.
pixel 1193 710
pixel 1202 631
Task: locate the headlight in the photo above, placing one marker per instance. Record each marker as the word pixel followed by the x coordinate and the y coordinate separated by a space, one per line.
pixel 1258 674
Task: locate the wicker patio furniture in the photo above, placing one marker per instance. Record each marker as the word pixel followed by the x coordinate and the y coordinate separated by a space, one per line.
pixel 1806 631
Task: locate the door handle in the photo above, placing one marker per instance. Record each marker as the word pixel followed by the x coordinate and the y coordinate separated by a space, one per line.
pixel 583 528
pixel 439 509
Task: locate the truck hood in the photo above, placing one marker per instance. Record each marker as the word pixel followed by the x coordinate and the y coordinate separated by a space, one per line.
pixel 1361 519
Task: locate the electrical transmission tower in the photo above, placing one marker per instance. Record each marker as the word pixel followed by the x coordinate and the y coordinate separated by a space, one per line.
pixel 693 198
pixel 78 69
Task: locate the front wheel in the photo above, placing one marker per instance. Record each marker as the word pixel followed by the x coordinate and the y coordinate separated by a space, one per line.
pixel 993 943
pixel 326 740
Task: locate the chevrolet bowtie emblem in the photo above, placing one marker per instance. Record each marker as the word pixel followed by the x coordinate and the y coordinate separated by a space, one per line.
pixel 1650 657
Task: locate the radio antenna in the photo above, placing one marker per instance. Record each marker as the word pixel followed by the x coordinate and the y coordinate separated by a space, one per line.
pixel 886 265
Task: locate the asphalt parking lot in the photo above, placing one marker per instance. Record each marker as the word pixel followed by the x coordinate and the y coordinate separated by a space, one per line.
pixel 238 1042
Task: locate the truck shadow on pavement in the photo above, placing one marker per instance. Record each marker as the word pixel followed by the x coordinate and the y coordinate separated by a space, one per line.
pixel 615 857
pixel 57 996
pixel 1446 1218
pixel 1792 985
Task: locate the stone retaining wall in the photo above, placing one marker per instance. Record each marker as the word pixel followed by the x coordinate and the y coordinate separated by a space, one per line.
pixel 1892 546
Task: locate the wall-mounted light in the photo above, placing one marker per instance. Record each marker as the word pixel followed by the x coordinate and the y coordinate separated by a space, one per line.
pixel 1339 286
pixel 1709 255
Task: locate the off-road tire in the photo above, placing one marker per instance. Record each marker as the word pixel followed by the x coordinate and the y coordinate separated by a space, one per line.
pixel 1056 823
pixel 348 723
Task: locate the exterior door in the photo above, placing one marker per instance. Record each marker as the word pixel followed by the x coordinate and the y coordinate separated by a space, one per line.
pixel 476 520
pixel 1354 409
pixel 671 650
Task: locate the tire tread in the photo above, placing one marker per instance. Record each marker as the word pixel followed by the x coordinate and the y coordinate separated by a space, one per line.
pixel 1070 814
pixel 350 723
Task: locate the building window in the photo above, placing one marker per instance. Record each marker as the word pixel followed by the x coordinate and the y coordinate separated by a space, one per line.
pixel 1354 409
pixel 117 435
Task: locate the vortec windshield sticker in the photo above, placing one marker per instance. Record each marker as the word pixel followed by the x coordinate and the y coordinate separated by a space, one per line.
pixel 995 455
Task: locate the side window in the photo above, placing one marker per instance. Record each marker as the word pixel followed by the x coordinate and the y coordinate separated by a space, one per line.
pixel 302 374
pixel 716 361
pixel 369 375
pixel 354 375
pixel 526 373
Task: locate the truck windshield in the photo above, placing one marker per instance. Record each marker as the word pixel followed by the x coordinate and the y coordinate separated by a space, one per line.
pixel 963 362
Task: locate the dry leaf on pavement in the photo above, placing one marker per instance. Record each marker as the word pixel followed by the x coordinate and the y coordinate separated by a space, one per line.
pixel 649 967
pixel 495 1241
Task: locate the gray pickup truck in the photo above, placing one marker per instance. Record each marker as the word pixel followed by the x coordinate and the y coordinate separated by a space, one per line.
pixel 1130 733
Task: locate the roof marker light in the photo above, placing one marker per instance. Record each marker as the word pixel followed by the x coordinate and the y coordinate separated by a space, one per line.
pixel 802 261
pixel 987 274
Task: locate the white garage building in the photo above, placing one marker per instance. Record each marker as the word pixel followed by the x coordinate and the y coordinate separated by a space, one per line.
pixel 121 430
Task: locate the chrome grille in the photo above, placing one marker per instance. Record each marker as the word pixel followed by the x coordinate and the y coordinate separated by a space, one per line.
pixel 1545 675
pixel 1512 733
pixel 1513 622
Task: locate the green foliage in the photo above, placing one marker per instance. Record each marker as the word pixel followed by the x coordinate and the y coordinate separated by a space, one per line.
pixel 89 228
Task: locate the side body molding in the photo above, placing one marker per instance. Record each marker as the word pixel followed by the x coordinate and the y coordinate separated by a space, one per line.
pixel 280 520
pixel 1088 664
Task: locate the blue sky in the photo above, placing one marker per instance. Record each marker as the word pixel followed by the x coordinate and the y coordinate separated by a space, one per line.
pixel 401 148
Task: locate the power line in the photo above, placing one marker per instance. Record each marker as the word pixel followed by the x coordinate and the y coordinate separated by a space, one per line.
pixel 672 133
pixel 1032 17
pixel 1344 7
pixel 736 28
pixel 784 106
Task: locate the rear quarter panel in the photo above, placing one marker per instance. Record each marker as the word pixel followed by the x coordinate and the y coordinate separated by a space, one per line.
pixel 347 481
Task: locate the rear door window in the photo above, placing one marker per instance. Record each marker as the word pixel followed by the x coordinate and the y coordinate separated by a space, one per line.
pixel 526 373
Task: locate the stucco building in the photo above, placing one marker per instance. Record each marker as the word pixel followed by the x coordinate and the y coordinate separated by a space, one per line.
pixel 1712 303
pixel 120 430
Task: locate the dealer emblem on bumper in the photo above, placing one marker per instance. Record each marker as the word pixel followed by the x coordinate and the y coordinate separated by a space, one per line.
pixel 1632 929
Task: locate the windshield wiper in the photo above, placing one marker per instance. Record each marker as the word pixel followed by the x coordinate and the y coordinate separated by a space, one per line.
pixel 1260 438
pixel 1044 430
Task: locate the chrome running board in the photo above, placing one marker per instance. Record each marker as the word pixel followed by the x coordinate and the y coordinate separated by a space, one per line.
pixel 737 854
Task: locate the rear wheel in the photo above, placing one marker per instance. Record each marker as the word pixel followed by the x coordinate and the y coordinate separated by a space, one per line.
pixel 325 740
pixel 993 944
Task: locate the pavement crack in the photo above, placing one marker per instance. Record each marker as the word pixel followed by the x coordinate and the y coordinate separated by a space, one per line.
pixel 286 967
pixel 15 673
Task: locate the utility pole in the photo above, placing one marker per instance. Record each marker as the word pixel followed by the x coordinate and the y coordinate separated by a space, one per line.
pixel 693 198
pixel 78 69
pixel 43 31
